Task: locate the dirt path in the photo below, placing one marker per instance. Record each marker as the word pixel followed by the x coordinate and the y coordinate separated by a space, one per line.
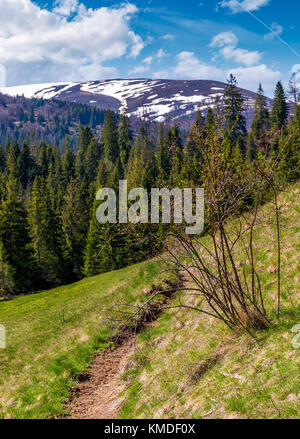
pixel 98 396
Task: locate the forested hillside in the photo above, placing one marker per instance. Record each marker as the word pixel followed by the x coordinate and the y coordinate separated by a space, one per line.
pixel 49 234
pixel 36 120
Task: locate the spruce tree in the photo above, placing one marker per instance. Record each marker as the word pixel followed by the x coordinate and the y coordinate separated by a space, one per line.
pixel 43 160
pixel 235 122
pixel 163 159
pixel 74 226
pixel 279 113
pixel 45 234
pixel 16 254
pixel 257 138
pixel 99 254
pixel 2 160
pixel 141 168
pixel 297 116
pixel 26 166
pixel 261 120
pixel 176 152
pixel 193 151
pixel 67 167
pixel 12 153
pixel 125 138
pixel 110 137
pixel 85 137
pixel 91 161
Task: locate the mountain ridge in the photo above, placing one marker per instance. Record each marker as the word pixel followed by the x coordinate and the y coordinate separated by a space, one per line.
pixel 158 99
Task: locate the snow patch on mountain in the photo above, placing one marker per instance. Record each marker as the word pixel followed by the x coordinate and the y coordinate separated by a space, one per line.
pixel 155 98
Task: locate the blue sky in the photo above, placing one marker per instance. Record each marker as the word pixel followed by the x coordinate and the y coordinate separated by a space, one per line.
pixel 76 40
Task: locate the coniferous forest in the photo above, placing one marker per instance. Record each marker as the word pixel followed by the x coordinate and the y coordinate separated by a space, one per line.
pixel 49 177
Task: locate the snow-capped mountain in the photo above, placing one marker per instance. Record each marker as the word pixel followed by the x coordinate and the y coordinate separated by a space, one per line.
pixel 154 98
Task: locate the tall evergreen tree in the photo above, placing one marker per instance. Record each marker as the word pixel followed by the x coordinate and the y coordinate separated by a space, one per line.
pixel 163 159
pixel 2 160
pixel 193 151
pixel 141 169
pixel 26 166
pixel 12 153
pixel 16 255
pixel 176 152
pixel 45 234
pixel 42 160
pixel 85 138
pixel 125 138
pixel 261 120
pixel 92 158
pixel 110 137
pixel 235 122
pixel 279 113
pixel 67 167
pixel 74 226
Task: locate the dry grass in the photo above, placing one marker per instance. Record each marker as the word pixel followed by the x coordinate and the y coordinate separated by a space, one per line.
pixel 196 368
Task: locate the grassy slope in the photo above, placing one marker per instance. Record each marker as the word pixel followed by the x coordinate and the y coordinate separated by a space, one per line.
pixel 193 366
pixel 52 336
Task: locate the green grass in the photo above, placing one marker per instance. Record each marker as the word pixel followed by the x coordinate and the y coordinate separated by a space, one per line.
pixel 242 378
pixel 52 337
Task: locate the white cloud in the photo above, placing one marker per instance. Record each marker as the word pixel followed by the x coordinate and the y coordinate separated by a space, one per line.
pixel 245 5
pixel 249 78
pixel 227 43
pixel 296 71
pixel 190 67
pixel 66 7
pixel 37 45
pixel 224 39
pixel 296 68
pixel 161 54
pixel 241 56
pixel 276 29
pixel 148 60
pixel 167 37
pixel 139 70
pixel 2 76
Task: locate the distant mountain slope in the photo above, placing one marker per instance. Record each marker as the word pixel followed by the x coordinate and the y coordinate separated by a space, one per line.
pixel 155 98
pixel 48 120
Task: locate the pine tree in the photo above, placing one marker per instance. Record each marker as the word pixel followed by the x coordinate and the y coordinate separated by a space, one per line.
pixel 261 120
pixel 12 153
pixel 92 158
pixel 26 166
pixel 279 113
pixel 31 117
pixel 2 160
pixel 193 151
pixel 67 167
pixel 45 234
pixel 141 168
pixel 110 137
pixel 163 160
pixel 210 120
pixel 99 254
pixel 125 138
pixel 74 226
pixel 43 160
pixel 257 138
pixel 176 151
pixel 16 255
pixel 235 122
pixel 85 138
pixel 297 116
